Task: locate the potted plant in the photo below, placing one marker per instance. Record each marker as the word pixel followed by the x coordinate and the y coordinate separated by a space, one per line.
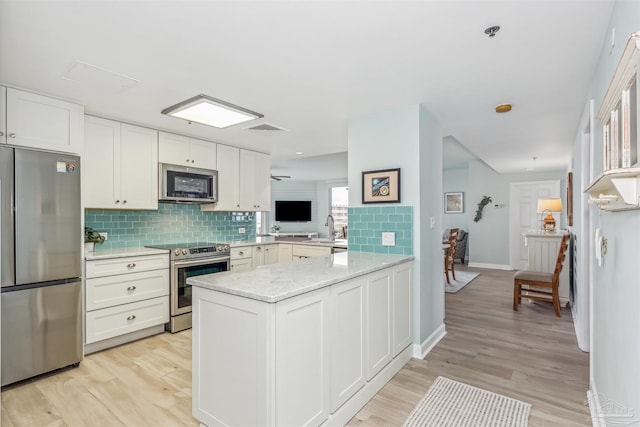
pixel 91 237
pixel 275 228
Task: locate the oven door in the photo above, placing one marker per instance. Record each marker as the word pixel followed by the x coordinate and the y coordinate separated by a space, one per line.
pixel 182 270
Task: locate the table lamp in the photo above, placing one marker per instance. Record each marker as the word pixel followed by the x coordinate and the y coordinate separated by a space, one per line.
pixel 549 206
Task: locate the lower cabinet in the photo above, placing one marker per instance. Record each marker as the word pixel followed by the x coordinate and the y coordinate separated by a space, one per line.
pixel 271 254
pixel 307 251
pixel 285 252
pixel 241 258
pixel 125 296
pixel 311 359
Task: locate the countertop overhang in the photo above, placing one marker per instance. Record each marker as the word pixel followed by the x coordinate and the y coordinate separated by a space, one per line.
pixel 276 282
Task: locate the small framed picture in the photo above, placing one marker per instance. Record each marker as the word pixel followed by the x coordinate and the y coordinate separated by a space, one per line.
pixel 381 186
pixel 453 202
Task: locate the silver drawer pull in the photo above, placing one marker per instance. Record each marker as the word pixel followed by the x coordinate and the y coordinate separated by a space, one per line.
pixel 131 288
pixel 12 135
pixel 132 317
pixel 240 253
pixel 131 265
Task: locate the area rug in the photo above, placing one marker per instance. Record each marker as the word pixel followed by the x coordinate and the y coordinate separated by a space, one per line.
pixel 462 279
pixel 450 403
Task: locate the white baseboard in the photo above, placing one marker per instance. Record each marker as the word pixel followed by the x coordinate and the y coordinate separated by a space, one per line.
pixel 490 266
pixel 595 407
pixel 420 351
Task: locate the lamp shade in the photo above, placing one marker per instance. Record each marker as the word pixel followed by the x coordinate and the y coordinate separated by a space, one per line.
pixel 551 205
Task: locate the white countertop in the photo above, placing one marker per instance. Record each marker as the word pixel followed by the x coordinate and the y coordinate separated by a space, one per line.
pixel 276 282
pixel 121 252
pixel 338 243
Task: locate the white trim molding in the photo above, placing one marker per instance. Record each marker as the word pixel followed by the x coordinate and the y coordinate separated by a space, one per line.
pixel 594 407
pixel 490 266
pixel 420 351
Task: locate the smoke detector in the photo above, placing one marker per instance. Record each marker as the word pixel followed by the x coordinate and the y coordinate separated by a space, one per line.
pixel 491 31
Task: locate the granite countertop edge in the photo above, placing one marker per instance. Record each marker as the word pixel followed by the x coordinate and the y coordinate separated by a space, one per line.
pixel 224 282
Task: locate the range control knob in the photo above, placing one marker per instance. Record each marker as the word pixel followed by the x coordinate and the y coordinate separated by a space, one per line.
pixel 185 252
pixel 226 248
pixel 220 248
pixel 177 252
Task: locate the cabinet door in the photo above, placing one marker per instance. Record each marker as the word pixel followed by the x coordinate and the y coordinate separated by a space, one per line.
pixel 246 181
pixel 258 255
pixel 348 344
pixel 271 255
pixel 302 365
pixel 41 122
pixel 378 321
pixel 228 178
pixel 285 252
pixel 173 149
pixel 138 167
pixel 3 115
pixel 262 182
pixel 100 165
pixel 242 264
pixel 402 282
pixel 202 154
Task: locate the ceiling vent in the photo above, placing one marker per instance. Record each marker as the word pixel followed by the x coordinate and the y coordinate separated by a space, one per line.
pixel 266 129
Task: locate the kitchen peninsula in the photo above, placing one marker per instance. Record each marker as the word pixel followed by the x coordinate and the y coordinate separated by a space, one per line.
pixel 299 343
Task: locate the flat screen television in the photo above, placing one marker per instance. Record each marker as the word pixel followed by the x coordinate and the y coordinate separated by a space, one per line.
pixel 293 210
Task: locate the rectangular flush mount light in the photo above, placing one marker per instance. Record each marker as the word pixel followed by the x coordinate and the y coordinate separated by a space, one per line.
pixel 210 111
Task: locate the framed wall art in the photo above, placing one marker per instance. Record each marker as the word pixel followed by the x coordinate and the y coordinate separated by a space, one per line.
pixel 453 202
pixel 382 186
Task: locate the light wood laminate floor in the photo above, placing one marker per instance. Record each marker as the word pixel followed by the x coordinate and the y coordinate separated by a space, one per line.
pixel 529 355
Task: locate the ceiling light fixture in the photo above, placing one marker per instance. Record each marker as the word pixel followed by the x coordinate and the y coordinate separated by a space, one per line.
pixel 503 108
pixel 211 111
pixel 491 31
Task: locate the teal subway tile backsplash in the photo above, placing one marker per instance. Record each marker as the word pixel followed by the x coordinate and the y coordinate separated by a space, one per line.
pixel 366 225
pixel 171 223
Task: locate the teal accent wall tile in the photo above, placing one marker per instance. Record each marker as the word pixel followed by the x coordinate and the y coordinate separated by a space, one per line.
pixel 171 223
pixel 367 223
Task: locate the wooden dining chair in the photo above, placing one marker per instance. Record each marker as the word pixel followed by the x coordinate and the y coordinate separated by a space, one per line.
pixel 531 282
pixel 450 253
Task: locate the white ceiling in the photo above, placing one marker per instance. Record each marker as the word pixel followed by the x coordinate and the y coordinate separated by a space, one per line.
pixel 311 66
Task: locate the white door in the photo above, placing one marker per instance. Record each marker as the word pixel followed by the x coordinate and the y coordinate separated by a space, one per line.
pixel 523 215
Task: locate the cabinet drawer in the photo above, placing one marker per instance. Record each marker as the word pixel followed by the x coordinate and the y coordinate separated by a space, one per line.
pixel 241 264
pixel 245 252
pixel 107 291
pixel 112 266
pixel 122 319
pixel 310 251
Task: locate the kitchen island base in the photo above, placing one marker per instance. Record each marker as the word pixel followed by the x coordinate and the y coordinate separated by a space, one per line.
pixel 314 358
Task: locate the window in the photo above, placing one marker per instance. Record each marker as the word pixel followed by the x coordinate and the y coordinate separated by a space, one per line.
pixel 339 210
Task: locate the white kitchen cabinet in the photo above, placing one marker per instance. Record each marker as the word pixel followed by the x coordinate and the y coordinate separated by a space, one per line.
pixel 379 326
pixel 401 315
pixel 271 254
pixel 228 159
pixel 126 298
pixel 3 115
pixel 255 181
pixel 241 258
pixel 37 121
pixel 185 151
pixel 120 165
pixel 307 251
pixel 285 252
pixel 258 255
pixel 302 334
pixel 244 182
pixel 349 341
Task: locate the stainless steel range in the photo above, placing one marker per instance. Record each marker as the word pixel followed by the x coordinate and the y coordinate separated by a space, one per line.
pixel 190 260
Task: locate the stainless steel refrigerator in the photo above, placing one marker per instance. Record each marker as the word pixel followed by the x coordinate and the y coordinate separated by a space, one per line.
pixel 41 262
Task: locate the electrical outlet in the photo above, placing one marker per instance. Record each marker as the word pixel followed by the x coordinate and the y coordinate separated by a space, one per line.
pixel 241 230
pixel 388 238
pixel 104 234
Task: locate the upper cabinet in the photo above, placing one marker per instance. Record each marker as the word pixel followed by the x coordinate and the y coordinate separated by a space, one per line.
pixel 618 188
pixel 31 120
pixel 243 181
pixel 255 184
pixel 120 165
pixel 185 151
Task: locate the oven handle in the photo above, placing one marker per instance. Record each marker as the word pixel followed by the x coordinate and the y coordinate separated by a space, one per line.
pixel 201 261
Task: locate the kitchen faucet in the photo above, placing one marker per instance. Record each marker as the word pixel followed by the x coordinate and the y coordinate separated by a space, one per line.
pixel 332 234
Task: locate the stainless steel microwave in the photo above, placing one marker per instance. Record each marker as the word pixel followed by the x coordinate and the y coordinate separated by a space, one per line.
pixel 184 184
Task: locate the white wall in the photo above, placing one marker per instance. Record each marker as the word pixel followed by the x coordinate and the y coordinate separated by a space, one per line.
pixel 411 139
pixel 297 190
pixel 615 346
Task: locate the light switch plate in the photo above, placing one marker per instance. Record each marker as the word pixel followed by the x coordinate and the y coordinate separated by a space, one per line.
pixel 388 238
pixel 241 230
